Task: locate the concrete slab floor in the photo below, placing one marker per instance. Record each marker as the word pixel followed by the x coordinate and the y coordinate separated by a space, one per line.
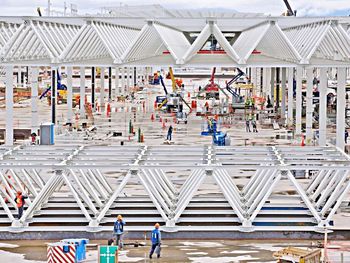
pixel 154 132
pixel 195 251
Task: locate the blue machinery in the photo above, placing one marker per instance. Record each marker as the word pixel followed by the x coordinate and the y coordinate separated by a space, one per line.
pixel 236 96
pixel 219 137
pixel 59 87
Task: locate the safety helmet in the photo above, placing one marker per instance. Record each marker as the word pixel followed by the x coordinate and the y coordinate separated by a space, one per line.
pixel 157 225
pixel 119 217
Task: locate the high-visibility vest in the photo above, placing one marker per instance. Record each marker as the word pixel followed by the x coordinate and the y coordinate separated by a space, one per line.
pixel 19 201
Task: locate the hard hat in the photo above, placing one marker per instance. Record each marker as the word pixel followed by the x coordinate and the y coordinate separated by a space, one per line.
pixel 19 192
pixel 157 225
pixel 119 217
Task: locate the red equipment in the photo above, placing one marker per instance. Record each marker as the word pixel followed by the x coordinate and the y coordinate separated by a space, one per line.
pixel 212 89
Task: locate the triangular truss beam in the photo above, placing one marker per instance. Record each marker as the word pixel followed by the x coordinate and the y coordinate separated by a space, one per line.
pixel 97 40
pixel 148 44
pixel 324 40
pixel 38 40
pixel 210 28
pixel 265 39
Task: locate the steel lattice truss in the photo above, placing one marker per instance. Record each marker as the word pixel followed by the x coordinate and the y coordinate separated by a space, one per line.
pixel 84 188
pixel 254 41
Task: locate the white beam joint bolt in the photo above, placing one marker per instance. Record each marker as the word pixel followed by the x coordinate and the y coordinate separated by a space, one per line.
pixel 247 226
pixel 209 171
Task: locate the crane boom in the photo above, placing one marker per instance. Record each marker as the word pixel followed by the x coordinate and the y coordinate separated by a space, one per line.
pixel 234 79
pixel 289 8
pixel 163 84
pixel 213 75
pixel 173 82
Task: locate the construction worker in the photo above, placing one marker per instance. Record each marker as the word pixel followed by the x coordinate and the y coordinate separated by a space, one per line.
pixel 170 131
pixel 247 125
pixel 254 126
pixel 20 201
pixel 119 231
pixel 156 241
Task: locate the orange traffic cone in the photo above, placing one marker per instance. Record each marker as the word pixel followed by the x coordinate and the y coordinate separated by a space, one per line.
pixel 302 140
pixel 188 94
pixel 163 126
pixel 152 117
pixel 76 120
pixel 160 119
pixel 108 109
pixel 97 107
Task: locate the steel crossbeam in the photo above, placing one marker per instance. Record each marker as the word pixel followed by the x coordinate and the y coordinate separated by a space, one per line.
pixel 333 197
pixel 329 188
pixel 188 190
pixel 77 199
pixel 91 193
pixel 316 181
pixel 99 187
pixel 233 200
pixel 324 181
pixel 90 188
pixel 37 202
pixel 76 186
pixel 263 196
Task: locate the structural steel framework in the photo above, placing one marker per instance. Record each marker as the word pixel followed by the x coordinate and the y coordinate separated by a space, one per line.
pixel 183 188
pixel 252 41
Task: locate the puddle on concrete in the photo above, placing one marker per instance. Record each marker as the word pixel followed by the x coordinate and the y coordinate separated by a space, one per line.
pixel 194 251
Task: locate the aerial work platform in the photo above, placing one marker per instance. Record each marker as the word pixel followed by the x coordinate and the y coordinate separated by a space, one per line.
pixel 198 188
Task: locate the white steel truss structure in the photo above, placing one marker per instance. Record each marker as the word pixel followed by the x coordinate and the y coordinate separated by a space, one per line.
pixel 253 41
pixel 7 30
pixel 184 188
pixel 39 41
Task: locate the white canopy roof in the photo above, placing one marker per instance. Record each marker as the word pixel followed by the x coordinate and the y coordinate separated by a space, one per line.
pixel 250 41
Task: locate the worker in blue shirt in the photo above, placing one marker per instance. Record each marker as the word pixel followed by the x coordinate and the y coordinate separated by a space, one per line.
pixel 170 132
pixel 119 231
pixel 156 241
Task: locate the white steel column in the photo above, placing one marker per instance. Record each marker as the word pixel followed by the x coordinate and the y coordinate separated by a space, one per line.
pixel 133 82
pixel 341 79
pixel 69 71
pixel 272 86
pixel 123 81
pixel 145 75
pixel 19 76
pixel 128 79
pixel 117 90
pixel 266 81
pixel 82 92
pixel 283 87
pixel 102 89
pixel 309 106
pixel 322 119
pixel 253 77
pixel 298 101
pixel 9 105
pixel 34 99
pixel 290 97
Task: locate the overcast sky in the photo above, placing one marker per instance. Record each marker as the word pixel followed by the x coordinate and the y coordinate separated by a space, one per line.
pixel 273 7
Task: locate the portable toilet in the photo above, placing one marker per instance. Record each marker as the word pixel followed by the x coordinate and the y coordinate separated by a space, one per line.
pixel 47 132
pixel 80 247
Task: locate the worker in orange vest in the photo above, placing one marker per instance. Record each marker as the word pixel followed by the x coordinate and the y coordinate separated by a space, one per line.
pixel 20 201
